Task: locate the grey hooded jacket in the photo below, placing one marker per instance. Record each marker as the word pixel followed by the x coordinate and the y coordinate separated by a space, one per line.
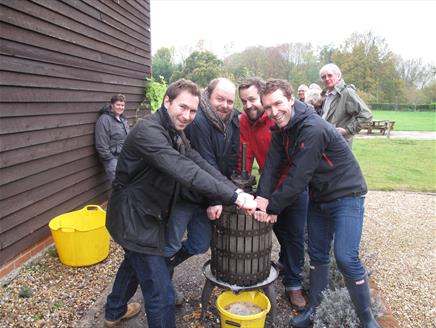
pixel 110 134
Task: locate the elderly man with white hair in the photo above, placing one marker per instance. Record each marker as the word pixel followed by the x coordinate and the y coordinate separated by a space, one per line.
pixel 302 89
pixel 342 106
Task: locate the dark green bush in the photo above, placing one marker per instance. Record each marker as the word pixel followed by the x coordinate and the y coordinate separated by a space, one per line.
pixel 403 107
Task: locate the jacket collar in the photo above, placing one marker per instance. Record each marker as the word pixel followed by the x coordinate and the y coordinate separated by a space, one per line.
pixel 340 86
pixel 166 120
pixel 169 126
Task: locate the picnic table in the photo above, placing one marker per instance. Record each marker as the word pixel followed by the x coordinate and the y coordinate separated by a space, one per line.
pixel 381 125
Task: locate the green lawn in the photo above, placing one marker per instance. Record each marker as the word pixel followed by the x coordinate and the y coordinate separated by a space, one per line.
pixel 397 164
pixel 408 121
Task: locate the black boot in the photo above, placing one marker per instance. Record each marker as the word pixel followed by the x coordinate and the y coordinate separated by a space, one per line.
pixel 178 258
pixel 174 261
pixel 319 278
pixel 360 296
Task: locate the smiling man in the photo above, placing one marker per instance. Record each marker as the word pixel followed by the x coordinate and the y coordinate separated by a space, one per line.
pixel 319 157
pixel 215 135
pixel 289 228
pixel 342 106
pixel 155 162
pixel 111 130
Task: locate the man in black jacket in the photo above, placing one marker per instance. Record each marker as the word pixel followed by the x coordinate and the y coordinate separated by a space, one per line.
pixel 214 134
pixel 321 159
pixel 155 161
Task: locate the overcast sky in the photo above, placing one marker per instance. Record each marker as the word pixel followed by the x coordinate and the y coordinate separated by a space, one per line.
pixel 226 26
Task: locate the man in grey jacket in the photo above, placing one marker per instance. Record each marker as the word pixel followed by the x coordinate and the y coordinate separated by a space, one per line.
pixel 110 131
pixel 342 106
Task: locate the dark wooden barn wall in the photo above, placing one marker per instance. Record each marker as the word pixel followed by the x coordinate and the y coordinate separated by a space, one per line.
pixel 60 62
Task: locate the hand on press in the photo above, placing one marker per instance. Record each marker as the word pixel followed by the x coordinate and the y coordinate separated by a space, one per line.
pixel 246 202
pixel 262 203
pixel 263 216
pixel 214 212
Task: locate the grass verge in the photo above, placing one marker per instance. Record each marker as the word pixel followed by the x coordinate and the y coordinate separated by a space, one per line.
pixel 408 121
pixel 408 165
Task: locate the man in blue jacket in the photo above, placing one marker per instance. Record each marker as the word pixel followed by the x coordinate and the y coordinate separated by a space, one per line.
pixel 320 158
pixel 156 161
pixel 215 135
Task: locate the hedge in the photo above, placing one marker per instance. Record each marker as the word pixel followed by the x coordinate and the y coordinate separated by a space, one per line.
pixel 404 107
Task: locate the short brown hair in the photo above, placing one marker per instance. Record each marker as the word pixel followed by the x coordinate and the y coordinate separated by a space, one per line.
pixel 272 85
pixel 257 83
pixel 118 97
pixel 176 88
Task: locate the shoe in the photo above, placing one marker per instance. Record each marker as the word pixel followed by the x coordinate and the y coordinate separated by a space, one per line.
pixel 132 310
pixel 297 300
pixel 180 298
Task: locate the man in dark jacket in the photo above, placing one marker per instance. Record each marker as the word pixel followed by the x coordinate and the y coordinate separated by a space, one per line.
pixel 320 158
pixel 215 135
pixel 111 130
pixel 155 161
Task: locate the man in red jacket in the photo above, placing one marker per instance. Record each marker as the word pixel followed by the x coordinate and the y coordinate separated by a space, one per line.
pixel 289 229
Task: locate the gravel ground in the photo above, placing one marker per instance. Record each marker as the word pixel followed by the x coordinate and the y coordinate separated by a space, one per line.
pixel 398 247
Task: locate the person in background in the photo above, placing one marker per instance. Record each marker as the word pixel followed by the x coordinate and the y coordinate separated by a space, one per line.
pixel 342 106
pixel 111 130
pixel 155 162
pixel 319 157
pixel 315 86
pixel 215 135
pixel 302 91
pixel 289 229
pixel 315 99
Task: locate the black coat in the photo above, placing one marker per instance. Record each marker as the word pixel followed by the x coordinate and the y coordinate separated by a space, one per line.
pixel 152 164
pixel 319 157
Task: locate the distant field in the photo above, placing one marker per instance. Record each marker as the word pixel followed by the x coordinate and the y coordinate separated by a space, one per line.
pixel 409 121
pixel 389 164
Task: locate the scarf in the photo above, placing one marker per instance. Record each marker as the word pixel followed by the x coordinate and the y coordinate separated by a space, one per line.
pixel 211 114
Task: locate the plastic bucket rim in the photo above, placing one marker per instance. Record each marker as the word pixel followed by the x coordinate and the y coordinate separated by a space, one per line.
pixel 245 317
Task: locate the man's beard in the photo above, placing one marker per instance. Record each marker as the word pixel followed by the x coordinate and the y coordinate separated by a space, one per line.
pixel 254 118
pixel 223 115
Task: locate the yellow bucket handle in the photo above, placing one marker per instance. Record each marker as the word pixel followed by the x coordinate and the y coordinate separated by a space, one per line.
pixel 92 208
pixel 86 208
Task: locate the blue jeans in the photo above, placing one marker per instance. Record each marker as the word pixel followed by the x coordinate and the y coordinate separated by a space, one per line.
pixel 151 273
pixel 341 220
pixel 193 218
pixel 289 230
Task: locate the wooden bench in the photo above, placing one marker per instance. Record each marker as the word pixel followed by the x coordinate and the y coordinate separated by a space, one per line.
pixel 381 125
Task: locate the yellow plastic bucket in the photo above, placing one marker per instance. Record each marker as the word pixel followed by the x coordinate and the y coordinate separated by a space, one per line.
pixel 230 320
pixel 81 237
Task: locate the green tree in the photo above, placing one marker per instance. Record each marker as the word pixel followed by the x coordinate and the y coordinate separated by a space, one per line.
pixel 200 67
pixel 367 62
pixel 163 64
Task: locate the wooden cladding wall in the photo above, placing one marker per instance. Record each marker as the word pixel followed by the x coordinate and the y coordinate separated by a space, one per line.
pixel 61 61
